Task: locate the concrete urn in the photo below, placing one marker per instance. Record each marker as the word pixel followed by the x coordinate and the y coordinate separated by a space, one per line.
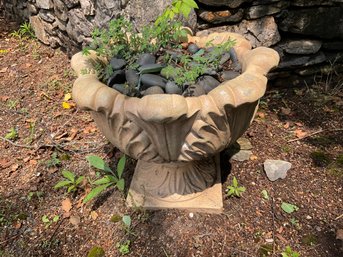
pixel 176 139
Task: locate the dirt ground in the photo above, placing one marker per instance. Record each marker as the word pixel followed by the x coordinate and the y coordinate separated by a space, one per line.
pixel 40 138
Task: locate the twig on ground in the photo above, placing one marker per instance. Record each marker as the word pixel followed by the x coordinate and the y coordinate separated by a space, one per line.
pixel 315 133
pixel 11 238
pixel 340 216
pixel 17 145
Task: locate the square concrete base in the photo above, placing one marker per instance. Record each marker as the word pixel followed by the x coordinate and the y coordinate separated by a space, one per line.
pixel 160 186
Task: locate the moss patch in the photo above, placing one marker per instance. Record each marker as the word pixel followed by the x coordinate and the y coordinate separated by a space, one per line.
pixel 320 159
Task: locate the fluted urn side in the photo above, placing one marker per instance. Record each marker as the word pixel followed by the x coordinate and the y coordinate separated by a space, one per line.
pixel 172 129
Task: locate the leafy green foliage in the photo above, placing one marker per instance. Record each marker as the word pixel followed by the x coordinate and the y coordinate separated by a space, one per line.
pixel 72 182
pixel 48 221
pixel 265 194
pixel 124 247
pixel 288 252
pixel 110 178
pixel 234 189
pixel 12 134
pixel 186 69
pixel 121 39
pixel 178 6
pixel 96 251
pixel 289 208
pixel 53 161
pixel 25 31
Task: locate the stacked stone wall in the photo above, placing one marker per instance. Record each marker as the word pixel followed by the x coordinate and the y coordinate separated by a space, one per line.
pixel 308 34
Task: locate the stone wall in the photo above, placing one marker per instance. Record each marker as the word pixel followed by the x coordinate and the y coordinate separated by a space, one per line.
pixel 308 34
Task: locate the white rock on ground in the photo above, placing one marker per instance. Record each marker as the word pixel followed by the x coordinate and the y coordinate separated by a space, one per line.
pixel 276 169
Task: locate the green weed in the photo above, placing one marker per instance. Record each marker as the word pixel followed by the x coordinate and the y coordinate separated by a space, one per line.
pixel 54 161
pixel 110 178
pixel 288 252
pixel 71 182
pixel 234 189
pixel 48 221
pixel 25 31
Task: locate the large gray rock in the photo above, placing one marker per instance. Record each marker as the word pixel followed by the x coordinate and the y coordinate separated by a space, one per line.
pixel 39 27
pixel 32 9
pixel 61 10
pixel 302 46
pixel 320 22
pixel 292 61
pixel 78 26
pixel 44 4
pixel 276 169
pixel 143 12
pixel 71 3
pixel 303 3
pixel 242 155
pixel 258 11
pixel 46 16
pixel 87 7
pixel 260 32
pixel 230 3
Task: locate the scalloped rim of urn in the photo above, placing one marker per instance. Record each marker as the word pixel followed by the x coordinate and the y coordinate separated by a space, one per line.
pixel 246 88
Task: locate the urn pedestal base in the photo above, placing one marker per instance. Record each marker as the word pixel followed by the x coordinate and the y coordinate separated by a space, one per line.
pixel 194 186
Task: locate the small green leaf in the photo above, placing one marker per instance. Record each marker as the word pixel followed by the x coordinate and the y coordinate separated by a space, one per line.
pixel 56 218
pixel 71 188
pixel 121 184
pixel 12 134
pixel 265 194
pixel 127 220
pixel 289 208
pixel 98 163
pixel 96 251
pixel 234 182
pixel 115 218
pixel 68 175
pixel 121 166
pixel 79 180
pixel 185 9
pixel 95 192
pixel 241 189
pixel 62 183
pixel 104 180
pixel 45 219
pixel 191 3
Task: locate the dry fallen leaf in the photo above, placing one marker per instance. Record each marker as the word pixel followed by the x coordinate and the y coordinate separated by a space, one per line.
pixel 4 98
pixel 66 205
pixel 33 162
pixel 89 129
pixel 17 225
pixel 286 111
pixel 5 163
pixel 75 220
pixel 299 133
pixel 299 124
pixel 67 96
pixel 286 125
pixel 94 215
pixel 73 134
pixel 253 157
pixel 14 167
pixel 261 115
pixel 3 70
